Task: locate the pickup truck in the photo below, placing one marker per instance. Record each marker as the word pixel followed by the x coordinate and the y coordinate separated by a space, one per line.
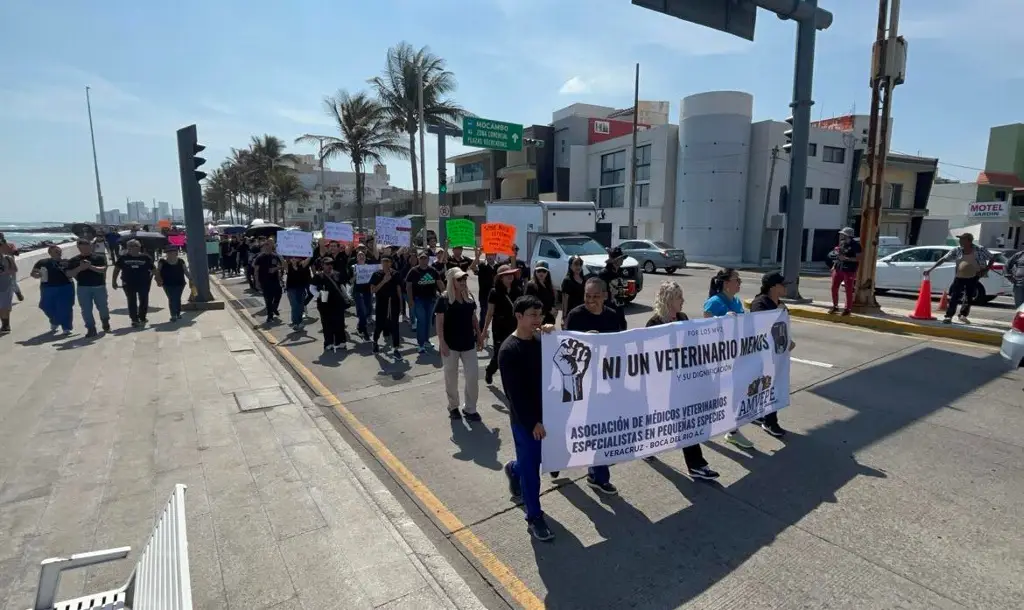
pixel 556 249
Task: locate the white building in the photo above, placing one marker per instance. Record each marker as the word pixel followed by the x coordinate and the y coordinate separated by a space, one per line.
pixel 111 217
pixel 334 198
pixel 178 215
pixel 163 210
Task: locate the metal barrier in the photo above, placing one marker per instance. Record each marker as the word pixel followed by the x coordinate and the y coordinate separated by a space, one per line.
pixel 160 580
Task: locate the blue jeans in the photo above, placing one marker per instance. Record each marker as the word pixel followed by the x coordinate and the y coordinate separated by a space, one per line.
pixel 364 309
pixel 526 468
pixel 174 298
pixel 297 302
pixel 93 296
pixel 58 303
pixel 423 311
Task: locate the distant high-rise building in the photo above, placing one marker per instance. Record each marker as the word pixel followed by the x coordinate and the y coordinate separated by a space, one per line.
pixel 164 210
pixel 138 211
pixel 178 215
pixel 110 217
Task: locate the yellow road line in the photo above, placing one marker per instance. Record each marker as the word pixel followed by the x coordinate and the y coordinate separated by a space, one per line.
pixel 516 588
pixel 980 346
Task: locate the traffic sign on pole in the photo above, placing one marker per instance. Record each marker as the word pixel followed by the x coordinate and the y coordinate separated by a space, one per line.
pixel 444 211
pixel 496 135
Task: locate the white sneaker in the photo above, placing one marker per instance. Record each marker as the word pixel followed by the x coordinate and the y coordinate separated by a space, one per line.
pixel 737 438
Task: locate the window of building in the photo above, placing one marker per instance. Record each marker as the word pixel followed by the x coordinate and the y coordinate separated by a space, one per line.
pixel 809 193
pixel 833 154
pixel 643 195
pixel 812 151
pixel 895 195
pixel 643 162
pixel 1000 195
pixel 784 199
pixel 827 196
pixel 613 197
pixel 613 176
pixel 625 233
pixel 469 172
pixel 531 188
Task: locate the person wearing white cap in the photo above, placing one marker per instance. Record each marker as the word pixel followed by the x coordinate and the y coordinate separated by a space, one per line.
pixel 844 269
pixel 459 338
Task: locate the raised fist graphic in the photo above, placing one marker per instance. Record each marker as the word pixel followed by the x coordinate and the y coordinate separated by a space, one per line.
pixel 780 336
pixel 572 359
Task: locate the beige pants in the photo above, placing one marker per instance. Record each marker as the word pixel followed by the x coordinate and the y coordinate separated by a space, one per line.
pixel 471 366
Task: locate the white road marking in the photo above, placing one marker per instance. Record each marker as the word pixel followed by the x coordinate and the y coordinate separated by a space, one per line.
pixel 823 365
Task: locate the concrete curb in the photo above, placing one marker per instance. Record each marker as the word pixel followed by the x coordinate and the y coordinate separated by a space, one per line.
pixel 901 327
pixel 432 565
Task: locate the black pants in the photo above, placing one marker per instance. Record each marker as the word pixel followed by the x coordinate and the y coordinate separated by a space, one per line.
pixel 500 332
pixel 272 299
pixel 332 320
pixel 138 301
pixel 694 457
pixel 248 274
pixel 965 290
pixel 385 315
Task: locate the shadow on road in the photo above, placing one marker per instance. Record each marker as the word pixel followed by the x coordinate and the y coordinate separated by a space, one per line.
pixel 725 526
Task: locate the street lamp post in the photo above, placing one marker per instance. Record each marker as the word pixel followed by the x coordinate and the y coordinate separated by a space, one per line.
pixel 95 163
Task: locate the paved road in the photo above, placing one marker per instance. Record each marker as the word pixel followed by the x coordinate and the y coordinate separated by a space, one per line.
pixel 899 485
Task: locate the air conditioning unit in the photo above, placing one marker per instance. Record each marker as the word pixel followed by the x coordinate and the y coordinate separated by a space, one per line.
pixel 776 222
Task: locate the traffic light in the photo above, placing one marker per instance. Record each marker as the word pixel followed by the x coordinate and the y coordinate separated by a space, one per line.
pixel 442 181
pixel 788 146
pixel 197 161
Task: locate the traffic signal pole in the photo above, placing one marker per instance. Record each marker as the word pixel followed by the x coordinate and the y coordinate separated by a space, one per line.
pixel 442 132
pixel 192 201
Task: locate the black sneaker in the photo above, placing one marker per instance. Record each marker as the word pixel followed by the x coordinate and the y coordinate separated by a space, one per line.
pixel 833 311
pixel 774 429
pixel 606 488
pixel 91 333
pixel 514 488
pixel 947 320
pixel 106 326
pixel 376 348
pixel 397 355
pixel 135 323
pixel 651 459
pixel 454 413
pixel 846 312
pixel 474 416
pixel 757 421
pixel 702 473
pixel 488 377
pixel 539 529
pixel 555 473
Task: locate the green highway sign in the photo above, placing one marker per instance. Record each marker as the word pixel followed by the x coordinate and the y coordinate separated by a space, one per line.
pixel 498 135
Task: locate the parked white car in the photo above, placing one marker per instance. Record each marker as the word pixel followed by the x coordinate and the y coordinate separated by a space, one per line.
pixel 1012 349
pixel 903 271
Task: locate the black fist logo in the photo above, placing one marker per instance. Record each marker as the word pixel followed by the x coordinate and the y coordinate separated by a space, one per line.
pixel 573 360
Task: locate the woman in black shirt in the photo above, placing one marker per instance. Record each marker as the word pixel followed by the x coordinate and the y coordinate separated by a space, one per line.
pixel 171 275
pixel 668 305
pixel 501 317
pixel 57 293
pixel 385 284
pixel 296 282
pixel 331 302
pixel 572 287
pixel 458 333
pixel 540 287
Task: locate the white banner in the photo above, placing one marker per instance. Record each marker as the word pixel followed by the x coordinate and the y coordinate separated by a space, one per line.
pixel 988 209
pixel 364 272
pixel 295 243
pixel 616 397
pixel 393 231
pixel 338 231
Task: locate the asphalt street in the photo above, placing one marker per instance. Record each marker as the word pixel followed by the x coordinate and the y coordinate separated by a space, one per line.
pixel 899 484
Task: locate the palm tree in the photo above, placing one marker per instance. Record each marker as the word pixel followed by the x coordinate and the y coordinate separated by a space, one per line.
pixel 267 155
pixel 366 136
pixel 397 89
pixel 216 194
pixel 284 187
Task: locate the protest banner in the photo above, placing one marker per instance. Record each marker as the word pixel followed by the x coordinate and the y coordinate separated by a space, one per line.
pixel 363 272
pixel 393 231
pixel 616 397
pixel 497 238
pixel 461 232
pixel 295 243
pixel 338 231
pixel 178 241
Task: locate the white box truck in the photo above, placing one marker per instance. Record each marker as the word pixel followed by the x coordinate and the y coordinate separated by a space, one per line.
pixel 554 231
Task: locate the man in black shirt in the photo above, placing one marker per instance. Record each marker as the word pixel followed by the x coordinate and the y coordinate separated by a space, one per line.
pixel 384 284
pixel 268 268
pixel 773 288
pixel 612 276
pixel 136 271
pixel 593 316
pixel 460 260
pixel 422 285
pixel 844 269
pixel 520 363
pixel 89 270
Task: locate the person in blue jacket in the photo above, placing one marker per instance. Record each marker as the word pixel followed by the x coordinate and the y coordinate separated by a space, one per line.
pixel 723 301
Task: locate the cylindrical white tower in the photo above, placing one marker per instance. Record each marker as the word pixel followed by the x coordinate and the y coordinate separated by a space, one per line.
pixel 711 175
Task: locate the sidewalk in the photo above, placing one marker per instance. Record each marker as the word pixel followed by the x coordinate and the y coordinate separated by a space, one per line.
pixel 281 512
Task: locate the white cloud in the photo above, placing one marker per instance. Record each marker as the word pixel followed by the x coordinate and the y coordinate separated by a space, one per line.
pixel 304 117
pixel 574 86
pixel 216 107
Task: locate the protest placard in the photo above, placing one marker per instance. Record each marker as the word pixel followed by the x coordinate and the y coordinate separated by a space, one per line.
pixel 338 231
pixel 461 232
pixel 615 397
pixel 393 231
pixel 178 241
pixel 498 238
pixel 295 243
pixel 363 272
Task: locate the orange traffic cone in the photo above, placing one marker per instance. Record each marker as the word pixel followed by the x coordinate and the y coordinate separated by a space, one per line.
pixel 943 302
pixel 923 309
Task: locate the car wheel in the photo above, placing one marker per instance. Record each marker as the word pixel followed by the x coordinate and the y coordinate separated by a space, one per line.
pixel 649 267
pixel 670 270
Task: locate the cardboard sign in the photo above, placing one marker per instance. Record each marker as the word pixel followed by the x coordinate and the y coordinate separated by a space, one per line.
pixel 338 231
pixel 178 241
pixel 393 231
pixel 498 238
pixel 461 232
pixel 164 224
pixel 364 272
pixel 295 243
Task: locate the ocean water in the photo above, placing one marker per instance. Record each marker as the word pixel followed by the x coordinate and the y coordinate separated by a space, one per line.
pixel 24 239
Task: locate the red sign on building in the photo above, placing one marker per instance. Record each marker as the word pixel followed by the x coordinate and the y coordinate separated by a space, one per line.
pixel 599 130
pixel 839 123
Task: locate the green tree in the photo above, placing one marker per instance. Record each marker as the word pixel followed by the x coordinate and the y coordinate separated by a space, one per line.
pixel 365 136
pixel 284 187
pixel 397 88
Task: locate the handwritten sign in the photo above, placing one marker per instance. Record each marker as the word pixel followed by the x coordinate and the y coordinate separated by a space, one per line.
pixel 164 224
pixel 295 243
pixel 498 238
pixel 393 231
pixel 461 232
pixel 338 231
pixel 178 241
pixel 363 272
pixel 213 247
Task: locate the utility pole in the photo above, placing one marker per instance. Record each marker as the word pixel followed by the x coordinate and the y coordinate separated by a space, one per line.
pixel 888 64
pixel 423 152
pixel 632 184
pixel 442 132
pixel 95 163
pixel 767 203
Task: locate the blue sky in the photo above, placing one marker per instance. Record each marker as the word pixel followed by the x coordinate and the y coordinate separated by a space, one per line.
pixel 241 68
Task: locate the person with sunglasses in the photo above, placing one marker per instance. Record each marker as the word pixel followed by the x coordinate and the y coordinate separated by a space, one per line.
pixel 540 287
pixel 723 301
pixel 459 339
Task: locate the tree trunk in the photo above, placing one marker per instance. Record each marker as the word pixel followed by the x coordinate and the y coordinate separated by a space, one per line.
pixel 359 194
pixel 415 172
